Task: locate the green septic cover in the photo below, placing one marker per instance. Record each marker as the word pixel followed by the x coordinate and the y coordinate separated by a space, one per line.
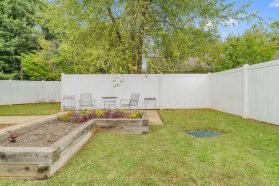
pixel 204 133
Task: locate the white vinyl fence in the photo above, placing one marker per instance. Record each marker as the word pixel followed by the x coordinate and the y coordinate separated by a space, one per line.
pixel 226 91
pixel 251 91
pixel 18 92
pixel 263 92
pixel 170 91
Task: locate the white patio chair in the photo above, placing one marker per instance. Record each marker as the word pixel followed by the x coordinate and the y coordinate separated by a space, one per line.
pixel 132 102
pixel 69 102
pixel 86 101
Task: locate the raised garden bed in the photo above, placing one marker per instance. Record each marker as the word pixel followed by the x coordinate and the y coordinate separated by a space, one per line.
pixel 42 148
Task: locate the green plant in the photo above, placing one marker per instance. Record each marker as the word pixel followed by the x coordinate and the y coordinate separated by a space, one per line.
pixel 135 114
pixel 100 113
pixel 6 76
pixel 12 137
pixel 65 117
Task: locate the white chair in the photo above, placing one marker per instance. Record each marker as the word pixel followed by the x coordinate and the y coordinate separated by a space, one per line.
pixel 132 102
pixel 69 102
pixel 86 101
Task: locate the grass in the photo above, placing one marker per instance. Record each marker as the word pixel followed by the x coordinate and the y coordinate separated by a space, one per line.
pixel 29 109
pixel 247 154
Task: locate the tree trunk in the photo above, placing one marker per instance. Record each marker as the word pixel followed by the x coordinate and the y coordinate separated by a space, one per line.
pixel 114 22
pixel 140 42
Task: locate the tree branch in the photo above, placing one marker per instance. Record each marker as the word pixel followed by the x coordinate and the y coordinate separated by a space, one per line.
pixel 114 22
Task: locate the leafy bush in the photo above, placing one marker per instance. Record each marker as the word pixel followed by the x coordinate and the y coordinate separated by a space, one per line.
pixel 135 114
pixel 65 117
pixel 100 113
pixel 80 117
pixel 6 76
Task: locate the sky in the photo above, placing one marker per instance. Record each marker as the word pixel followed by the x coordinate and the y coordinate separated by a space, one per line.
pixel 267 9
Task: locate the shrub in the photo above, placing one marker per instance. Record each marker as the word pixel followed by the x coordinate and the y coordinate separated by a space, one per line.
pixel 6 76
pixel 65 117
pixel 135 114
pixel 100 113
pixel 80 117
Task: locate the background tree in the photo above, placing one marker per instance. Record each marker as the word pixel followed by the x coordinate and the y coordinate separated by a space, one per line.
pixel 18 32
pixel 117 36
pixel 254 46
pixel 274 27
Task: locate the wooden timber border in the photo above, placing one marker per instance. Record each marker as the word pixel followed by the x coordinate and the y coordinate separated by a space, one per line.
pixel 44 162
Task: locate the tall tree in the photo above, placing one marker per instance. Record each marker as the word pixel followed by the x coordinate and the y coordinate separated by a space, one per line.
pixel 118 35
pixel 275 33
pixel 254 46
pixel 18 32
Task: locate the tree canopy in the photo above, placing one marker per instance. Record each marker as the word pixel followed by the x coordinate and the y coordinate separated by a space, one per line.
pixel 128 36
pixel 18 32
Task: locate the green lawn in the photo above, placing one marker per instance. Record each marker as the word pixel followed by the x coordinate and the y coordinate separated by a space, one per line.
pixel 247 154
pixel 29 109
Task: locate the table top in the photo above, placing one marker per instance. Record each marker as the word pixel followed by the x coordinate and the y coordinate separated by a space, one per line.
pixel 150 98
pixel 109 97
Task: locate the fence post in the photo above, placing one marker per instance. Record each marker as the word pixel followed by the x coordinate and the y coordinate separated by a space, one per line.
pixel 160 91
pixel 10 92
pixel 43 90
pixel 245 91
pixel 208 90
pixel 62 90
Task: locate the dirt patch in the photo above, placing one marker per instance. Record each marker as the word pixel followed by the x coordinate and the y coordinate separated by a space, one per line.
pixel 41 135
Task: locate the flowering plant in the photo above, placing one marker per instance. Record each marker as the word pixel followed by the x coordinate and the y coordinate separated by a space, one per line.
pixel 84 116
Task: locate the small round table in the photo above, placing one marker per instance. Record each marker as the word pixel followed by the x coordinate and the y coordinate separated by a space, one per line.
pixel 109 102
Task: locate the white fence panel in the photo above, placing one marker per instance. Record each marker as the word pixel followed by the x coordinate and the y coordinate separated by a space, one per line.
pixel 52 91
pixel 97 85
pixel 5 97
pixel 26 92
pixel 170 91
pixel 251 91
pixel 19 92
pixel 263 92
pixel 184 91
pixel 226 91
pixel 146 85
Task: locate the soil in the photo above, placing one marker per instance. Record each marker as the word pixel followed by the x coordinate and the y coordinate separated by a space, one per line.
pixel 40 135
